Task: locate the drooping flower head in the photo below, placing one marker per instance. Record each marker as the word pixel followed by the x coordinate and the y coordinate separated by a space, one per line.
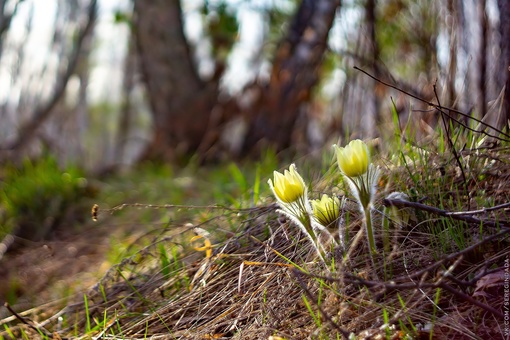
pixel 326 210
pixel 289 186
pixel 354 159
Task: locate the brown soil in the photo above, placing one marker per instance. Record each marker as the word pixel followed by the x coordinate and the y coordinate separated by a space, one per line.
pixel 36 273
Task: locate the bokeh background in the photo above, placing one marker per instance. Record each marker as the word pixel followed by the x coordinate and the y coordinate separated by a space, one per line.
pixel 105 84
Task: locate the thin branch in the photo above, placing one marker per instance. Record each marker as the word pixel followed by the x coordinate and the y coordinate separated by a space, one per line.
pixel 409 285
pixel 471 300
pixel 433 266
pixel 420 285
pixel 441 109
pixel 298 275
pixel 456 215
pixel 454 255
pixel 450 142
pixel 480 211
pixel 269 207
pixel 30 324
pixel 474 280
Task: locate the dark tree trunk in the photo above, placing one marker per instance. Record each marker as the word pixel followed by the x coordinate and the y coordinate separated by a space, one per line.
pixel 180 101
pixel 453 30
pixel 372 114
pixel 295 72
pixel 504 22
pixel 482 64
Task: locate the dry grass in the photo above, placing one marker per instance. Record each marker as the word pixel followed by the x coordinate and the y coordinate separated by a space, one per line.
pixel 263 279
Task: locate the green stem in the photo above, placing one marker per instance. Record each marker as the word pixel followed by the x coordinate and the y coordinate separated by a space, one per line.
pixel 306 219
pixel 370 235
pixel 303 215
pixel 370 231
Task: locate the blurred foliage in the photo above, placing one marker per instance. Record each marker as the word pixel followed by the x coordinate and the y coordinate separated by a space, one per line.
pixel 223 27
pixel 407 33
pixel 39 196
pixel 122 17
pixel 221 20
pixel 239 184
pixel 277 18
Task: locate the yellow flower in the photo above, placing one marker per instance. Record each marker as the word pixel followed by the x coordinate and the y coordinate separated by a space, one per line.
pixel 354 159
pixel 326 210
pixel 288 187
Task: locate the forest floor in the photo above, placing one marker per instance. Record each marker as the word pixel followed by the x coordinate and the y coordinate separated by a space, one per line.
pixel 139 271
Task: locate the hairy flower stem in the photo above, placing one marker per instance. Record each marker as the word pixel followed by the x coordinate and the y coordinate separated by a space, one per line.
pixel 361 190
pixel 367 211
pixel 299 213
pixel 370 232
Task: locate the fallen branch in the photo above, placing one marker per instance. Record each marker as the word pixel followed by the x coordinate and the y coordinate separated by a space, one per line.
pixel 466 217
pixel 298 274
pixel 29 323
pixel 388 286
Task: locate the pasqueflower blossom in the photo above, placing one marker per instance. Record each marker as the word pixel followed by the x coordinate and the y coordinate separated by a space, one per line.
pixel 288 187
pixel 291 193
pixel 354 159
pixel 361 176
pixel 326 210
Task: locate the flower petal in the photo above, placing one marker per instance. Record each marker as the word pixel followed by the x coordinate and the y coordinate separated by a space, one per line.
pixel 353 160
pixel 289 186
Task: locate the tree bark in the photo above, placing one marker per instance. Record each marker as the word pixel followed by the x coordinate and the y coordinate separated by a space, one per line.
pixel 452 29
pixel 126 110
pixel 371 116
pixel 504 26
pixel 180 101
pixel 482 58
pixel 295 72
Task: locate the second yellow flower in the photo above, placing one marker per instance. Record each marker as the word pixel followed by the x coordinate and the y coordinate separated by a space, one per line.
pixel 354 159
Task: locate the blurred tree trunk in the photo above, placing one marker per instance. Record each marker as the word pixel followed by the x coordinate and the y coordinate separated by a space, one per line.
pixel 504 24
pixel 295 71
pixel 126 110
pixel 453 29
pixel 371 116
pixel 180 101
pixel 27 130
pixel 77 123
pixel 482 58
pixel 5 21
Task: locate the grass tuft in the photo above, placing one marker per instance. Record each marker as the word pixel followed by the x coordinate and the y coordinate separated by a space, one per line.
pixel 438 272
